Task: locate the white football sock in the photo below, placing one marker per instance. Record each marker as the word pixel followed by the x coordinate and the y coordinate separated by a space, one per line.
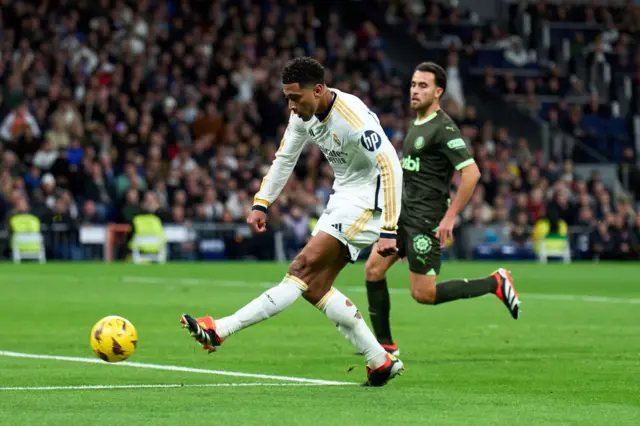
pixel 345 315
pixel 268 304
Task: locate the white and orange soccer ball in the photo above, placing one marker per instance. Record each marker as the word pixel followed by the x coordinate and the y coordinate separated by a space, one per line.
pixel 114 339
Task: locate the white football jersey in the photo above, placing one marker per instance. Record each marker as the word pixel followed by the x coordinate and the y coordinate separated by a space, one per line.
pixel 365 165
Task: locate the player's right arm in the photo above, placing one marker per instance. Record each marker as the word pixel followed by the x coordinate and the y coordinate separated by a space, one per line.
pixel 291 146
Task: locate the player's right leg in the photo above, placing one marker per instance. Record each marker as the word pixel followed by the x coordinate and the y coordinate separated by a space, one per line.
pixel 211 333
pixel 378 297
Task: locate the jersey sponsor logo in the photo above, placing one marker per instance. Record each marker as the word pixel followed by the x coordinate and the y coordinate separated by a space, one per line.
pixel 457 144
pixel 411 164
pixel 337 227
pixel 311 133
pixel 334 157
pixel 418 143
pixel 370 140
pixel 422 244
pixel 453 129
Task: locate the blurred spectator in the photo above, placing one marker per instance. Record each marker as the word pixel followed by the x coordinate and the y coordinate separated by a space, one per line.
pixel 516 54
pixel 18 122
pixel 602 243
pixel 90 215
pixel 297 228
pixel 454 81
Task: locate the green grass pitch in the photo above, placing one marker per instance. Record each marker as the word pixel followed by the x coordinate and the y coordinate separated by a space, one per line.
pixel 572 358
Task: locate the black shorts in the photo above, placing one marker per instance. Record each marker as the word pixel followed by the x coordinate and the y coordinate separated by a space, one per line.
pixel 421 248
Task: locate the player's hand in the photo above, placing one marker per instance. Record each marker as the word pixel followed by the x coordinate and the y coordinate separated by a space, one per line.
pixel 387 247
pixel 257 220
pixel 445 230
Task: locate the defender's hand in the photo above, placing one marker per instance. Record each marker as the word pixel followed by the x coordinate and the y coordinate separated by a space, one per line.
pixel 257 220
pixel 387 247
pixel 445 230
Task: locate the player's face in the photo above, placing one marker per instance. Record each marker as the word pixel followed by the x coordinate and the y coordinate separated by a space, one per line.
pixel 423 90
pixel 303 101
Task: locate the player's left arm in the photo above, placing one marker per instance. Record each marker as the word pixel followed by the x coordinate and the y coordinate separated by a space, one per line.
pixel 377 147
pixel 455 149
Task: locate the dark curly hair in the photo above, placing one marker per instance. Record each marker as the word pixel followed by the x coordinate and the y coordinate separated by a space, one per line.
pixel 439 73
pixel 303 70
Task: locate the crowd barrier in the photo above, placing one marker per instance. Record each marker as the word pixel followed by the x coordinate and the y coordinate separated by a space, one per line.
pixel 109 243
pixel 219 242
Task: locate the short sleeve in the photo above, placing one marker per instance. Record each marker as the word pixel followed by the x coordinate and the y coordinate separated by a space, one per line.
pixel 454 147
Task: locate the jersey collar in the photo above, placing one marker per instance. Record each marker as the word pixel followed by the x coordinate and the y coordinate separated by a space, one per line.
pixel 325 115
pixel 426 119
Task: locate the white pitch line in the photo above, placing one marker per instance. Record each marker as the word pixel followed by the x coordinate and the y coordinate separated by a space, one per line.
pixel 582 298
pixel 154 386
pixel 175 368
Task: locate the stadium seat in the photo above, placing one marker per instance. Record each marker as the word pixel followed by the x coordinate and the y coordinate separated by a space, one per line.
pixel 148 243
pixel 554 246
pixel 618 136
pixel 548 245
pixel 26 239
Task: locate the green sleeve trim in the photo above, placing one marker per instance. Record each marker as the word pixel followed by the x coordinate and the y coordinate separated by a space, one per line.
pixel 465 164
pixel 457 143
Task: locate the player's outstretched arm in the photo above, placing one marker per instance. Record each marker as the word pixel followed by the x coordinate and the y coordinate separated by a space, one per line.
pixel 291 147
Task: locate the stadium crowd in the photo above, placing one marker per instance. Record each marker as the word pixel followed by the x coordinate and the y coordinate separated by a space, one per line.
pixel 115 108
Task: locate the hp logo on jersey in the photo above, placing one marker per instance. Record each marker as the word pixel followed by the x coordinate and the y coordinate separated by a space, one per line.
pixel 371 140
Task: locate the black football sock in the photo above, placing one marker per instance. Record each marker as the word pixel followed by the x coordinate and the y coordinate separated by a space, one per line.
pixel 449 291
pixel 379 307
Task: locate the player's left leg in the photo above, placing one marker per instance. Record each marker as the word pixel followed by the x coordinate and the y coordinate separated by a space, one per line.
pixel 424 255
pixel 340 310
pixel 425 290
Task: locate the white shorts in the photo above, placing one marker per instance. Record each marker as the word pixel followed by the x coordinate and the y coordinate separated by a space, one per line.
pixel 355 227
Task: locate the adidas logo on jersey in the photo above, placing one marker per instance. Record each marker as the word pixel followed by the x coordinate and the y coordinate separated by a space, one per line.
pixel 337 227
pixel 411 164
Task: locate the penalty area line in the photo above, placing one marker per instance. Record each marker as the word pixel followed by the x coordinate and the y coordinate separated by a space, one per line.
pixel 175 368
pixel 154 386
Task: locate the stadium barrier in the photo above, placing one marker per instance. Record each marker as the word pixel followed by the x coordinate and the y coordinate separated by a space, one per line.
pixel 218 242
pixel 199 241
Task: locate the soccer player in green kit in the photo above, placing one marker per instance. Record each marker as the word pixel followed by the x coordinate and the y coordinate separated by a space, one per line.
pixel 433 150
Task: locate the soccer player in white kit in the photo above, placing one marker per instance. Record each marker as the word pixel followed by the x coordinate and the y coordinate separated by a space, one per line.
pixel 363 209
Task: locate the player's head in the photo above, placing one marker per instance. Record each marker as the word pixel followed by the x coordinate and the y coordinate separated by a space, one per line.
pixel 428 84
pixel 303 86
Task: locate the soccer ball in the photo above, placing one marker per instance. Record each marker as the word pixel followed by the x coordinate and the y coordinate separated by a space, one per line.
pixel 114 339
